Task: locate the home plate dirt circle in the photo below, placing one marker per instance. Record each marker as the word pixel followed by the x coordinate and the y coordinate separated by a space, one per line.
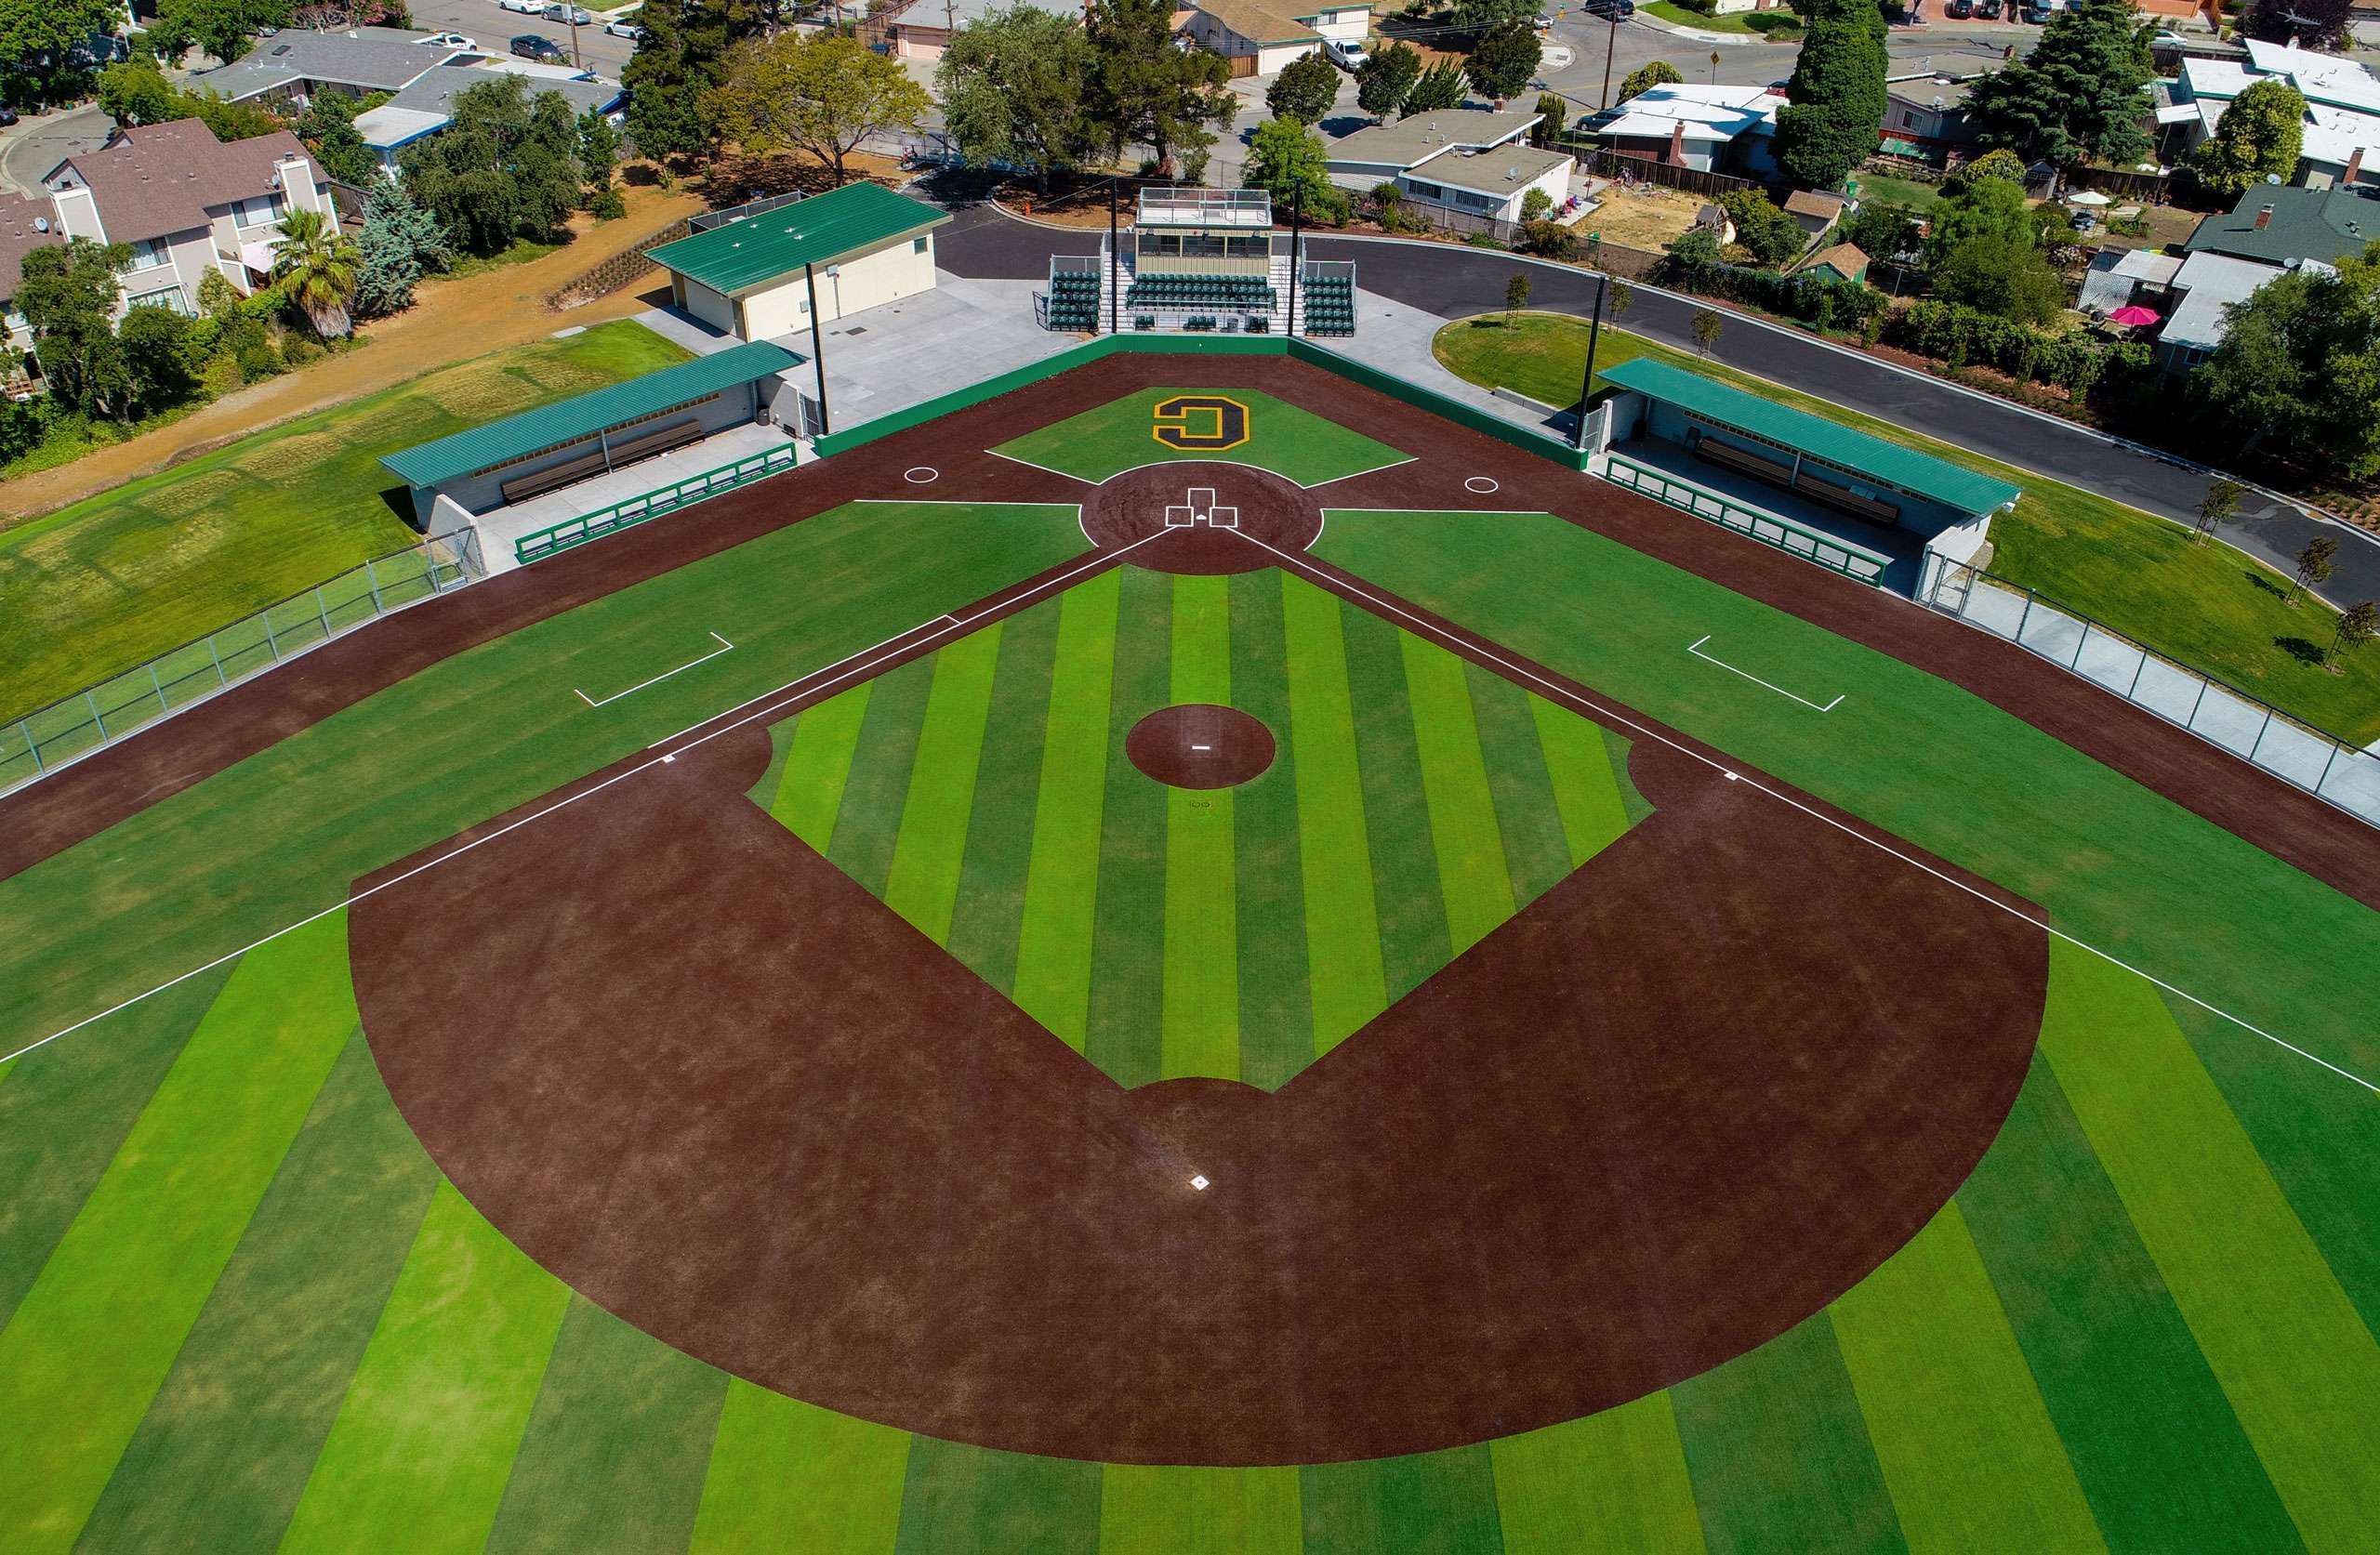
pixel 1201 517
pixel 1199 745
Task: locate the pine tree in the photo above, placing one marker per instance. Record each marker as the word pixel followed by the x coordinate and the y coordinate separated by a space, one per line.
pixel 2078 95
pixel 1145 91
pixel 1438 87
pixel 1835 100
pixel 1386 80
pixel 1502 62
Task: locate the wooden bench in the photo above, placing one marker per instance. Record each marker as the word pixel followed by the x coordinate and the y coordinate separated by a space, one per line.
pixel 1805 482
pixel 570 471
pixel 1821 490
pixel 1744 459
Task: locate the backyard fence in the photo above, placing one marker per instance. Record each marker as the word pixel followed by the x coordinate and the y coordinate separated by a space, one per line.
pixel 41 741
pixel 1629 167
pixel 2254 731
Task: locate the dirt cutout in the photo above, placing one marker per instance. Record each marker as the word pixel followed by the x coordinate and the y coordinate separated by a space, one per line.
pixel 1202 514
pixel 1686 1099
pixel 1200 745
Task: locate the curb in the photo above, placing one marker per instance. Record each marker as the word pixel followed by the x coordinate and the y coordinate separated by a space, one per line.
pixel 1721 39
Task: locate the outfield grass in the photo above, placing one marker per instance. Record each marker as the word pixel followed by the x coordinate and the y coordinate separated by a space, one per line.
pixel 2209 606
pixel 95 589
pixel 1145 926
pixel 1286 440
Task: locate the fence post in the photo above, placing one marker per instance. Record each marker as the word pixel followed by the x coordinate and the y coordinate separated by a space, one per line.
pixel 92 702
pixel 157 685
pixel 25 731
pixel 2081 643
pixel 2137 671
pixel 2259 744
pixel 371 582
pixel 2192 722
pixel 2326 769
pixel 216 653
pixel 2022 619
pixel 322 609
pixel 271 641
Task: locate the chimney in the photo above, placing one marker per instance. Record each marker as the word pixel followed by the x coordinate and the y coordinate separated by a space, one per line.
pixel 1677 144
pixel 2353 169
pixel 2264 217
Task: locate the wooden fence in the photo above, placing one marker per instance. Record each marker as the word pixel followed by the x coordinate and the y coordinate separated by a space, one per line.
pixel 1628 166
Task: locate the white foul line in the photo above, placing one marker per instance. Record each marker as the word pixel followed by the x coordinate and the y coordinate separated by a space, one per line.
pixel 1695 648
pixel 786 695
pixel 724 647
pixel 1614 716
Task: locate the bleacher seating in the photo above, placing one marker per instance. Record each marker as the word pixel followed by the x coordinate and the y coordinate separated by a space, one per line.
pixel 1074 300
pixel 1330 305
pixel 1240 293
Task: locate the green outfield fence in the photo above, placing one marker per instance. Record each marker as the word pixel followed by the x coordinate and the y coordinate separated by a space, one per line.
pixel 539 544
pixel 48 738
pixel 1810 545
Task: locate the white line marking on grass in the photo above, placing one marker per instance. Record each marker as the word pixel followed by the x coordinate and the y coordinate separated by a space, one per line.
pixel 1613 716
pixel 1244 463
pixel 724 647
pixel 860 664
pixel 1695 648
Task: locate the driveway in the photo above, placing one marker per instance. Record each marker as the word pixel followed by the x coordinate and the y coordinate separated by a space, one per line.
pixel 1454 283
pixel 33 147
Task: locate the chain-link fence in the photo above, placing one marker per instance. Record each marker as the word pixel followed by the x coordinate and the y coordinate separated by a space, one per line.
pixel 2256 731
pixel 42 741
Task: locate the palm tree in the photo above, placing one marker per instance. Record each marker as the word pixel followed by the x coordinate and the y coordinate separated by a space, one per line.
pixel 319 263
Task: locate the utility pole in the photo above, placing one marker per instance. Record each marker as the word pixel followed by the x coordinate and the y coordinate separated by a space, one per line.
pixel 576 60
pixel 817 347
pixel 1587 379
pixel 1610 42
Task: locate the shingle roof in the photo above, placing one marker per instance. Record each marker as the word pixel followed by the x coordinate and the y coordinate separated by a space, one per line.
pixel 19 237
pixel 576 419
pixel 818 231
pixel 1887 463
pixel 1809 201
pixel 1847 259
pixel 2306 224
pixel 1258 24
pixel 160 179
pixel 379 58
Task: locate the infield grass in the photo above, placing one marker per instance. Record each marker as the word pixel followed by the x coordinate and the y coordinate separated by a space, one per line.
pixel 1284 439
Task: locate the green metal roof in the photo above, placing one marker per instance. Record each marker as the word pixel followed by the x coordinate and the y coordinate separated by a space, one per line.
pixel 813 231
pixel 1887 463
pixel 570 420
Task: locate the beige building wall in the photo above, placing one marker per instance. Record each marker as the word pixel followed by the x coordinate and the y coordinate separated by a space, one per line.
pixel 902 268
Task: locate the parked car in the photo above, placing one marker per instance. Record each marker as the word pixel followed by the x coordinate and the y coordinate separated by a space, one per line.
pixel 1959 10
pixel 545 51
pixel 628 29
pixel 526 8
pixel 575 16
pixel 1610 10
pixel 1346 56
pixel 8 117
pixel 448 40
pixel 1987 10
pixel 2037 15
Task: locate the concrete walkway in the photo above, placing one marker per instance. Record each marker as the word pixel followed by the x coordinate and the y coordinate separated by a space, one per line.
pixel 905 353
pixel 501 530
pixel 1395 337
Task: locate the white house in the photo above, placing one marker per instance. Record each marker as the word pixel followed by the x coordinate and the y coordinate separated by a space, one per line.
pixel 185 204
pixel 1466 160
pixel 1686 125
pixel 2342 125
pixel 288 71
pixel 1261 39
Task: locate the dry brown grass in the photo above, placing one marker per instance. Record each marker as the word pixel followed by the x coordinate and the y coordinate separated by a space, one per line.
pixel 1647 217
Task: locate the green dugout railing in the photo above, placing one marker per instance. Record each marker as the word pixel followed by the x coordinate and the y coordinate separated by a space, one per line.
pixel 540 544
pixel 1810 545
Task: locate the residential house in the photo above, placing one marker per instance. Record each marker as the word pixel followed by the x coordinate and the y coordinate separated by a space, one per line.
pixel 1926 116
pixel 1469 161
pixel 2206 285
pixel 288 72
pixel 26 223
pixel 2120 277
pixel 1726 130
pixel 427 106
pixel 2342 125
pixel 1843 261
pixel 2273 229
pixel 1814 211
pixel 1259 39
pixel 185 204
pixel 924 29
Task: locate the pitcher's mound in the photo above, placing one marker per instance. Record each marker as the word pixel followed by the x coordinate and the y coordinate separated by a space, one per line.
pixel 1198 744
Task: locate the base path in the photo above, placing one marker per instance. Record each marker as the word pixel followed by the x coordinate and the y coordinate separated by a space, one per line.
pixel 1197 511
pixel 1684 1100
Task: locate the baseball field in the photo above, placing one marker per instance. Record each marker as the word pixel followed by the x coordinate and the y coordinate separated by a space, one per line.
pixel 1186 958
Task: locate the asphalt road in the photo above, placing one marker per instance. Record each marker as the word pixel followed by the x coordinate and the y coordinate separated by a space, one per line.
pixel 1456 282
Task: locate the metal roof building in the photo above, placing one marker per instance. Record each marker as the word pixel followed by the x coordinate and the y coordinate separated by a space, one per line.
pixel 746 277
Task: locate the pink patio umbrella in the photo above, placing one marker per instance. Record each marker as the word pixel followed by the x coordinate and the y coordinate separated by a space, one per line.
pixel 2133 317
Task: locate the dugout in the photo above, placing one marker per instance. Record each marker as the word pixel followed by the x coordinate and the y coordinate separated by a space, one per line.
pixel 543 450
pixel 1667 424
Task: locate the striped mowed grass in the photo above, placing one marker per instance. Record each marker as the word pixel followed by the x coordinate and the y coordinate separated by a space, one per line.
pixel 1415 802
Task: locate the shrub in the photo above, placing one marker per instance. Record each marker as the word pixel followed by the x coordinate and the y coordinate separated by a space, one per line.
pixel 1535 204
pixel 1775 24
pixel 1550 239
pixel 1481 240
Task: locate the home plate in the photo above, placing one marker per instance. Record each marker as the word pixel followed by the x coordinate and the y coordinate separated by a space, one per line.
pixel 1199 1184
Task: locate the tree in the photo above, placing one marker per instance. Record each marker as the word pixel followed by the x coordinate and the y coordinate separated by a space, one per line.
pixel 1386 79
pixel 1304 90
pixel 1147 91
pixel 2357 626
pixel 1694 257
pixel 598 153
pixel 1835 98
pixel 1485 16
pixel 317 263
pixel 2299 365
pixel 1708 326
pixel 1515 295
pixel 2218 507
pixel 820 94
pixel 2313 566
pixel 1644 78
pixel 1977 206
pixel 1011 89
pixel 677 64
pixel 1764 228
pixel 1550 240
pixel 38 43
pixel 2078 95
pixel 1502 62
pixel 398 245
pixel 1440 87
pixel 1286 160
pixel 2313 23
pixel 226 28
pixel 2261 132
pixel 506 167
pixel 328 128
pixel 156 343
pixel 1553 112
pixel 1536 204
pixel 1621 295
pixel 1882 230
pixel 2007 277
pixel 67 294
pixel 135 92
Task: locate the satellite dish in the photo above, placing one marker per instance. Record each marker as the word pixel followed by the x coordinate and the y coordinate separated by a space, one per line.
pixel 41 224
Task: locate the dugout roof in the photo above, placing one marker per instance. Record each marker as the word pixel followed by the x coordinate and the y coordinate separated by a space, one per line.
pixel 567 421
pixel 1829 442
pixel 818 231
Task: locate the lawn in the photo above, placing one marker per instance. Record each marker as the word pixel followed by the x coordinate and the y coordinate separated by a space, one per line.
pixel 1740 21
pixel 1883 189
pixel 2210 607
pixel 1120 435
pixel 1165 932
pixel 95 589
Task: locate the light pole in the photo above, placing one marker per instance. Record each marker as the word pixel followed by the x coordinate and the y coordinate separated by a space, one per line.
pixel 1587 379
pixel 817 347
